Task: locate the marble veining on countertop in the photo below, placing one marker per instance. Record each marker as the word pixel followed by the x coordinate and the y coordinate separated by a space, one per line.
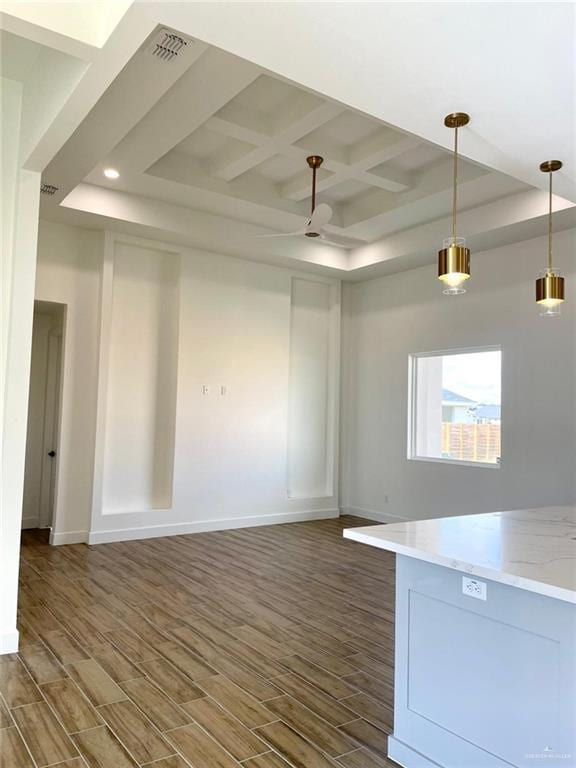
pixel 533 549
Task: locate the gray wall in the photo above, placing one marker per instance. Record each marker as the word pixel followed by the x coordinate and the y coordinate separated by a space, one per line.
pixel 387 319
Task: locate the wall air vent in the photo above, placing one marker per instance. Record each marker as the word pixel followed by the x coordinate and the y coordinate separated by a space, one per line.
pixel 166 45
pixel 48 189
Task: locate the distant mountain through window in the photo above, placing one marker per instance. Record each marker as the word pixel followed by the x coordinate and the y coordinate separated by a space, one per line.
pixel 454 397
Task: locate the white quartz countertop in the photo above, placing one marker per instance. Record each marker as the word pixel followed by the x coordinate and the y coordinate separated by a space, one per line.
pixel 533 549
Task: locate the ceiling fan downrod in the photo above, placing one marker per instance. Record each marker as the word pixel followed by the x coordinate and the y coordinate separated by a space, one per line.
pixel 314 161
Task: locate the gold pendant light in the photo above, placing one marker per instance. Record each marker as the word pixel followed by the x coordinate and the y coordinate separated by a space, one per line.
pixel 454 257
pixel 550 284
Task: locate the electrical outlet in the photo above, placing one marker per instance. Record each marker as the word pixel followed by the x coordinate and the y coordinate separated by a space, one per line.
pixel 474 588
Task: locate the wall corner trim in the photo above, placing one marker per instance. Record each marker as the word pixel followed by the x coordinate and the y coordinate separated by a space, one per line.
pixel 68 537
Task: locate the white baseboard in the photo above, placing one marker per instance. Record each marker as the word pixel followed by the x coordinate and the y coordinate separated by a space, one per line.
pixel 407 756
pixel 372 514
pixel 68 537
pixel 176 529
pixel 30 522
pixel 9 641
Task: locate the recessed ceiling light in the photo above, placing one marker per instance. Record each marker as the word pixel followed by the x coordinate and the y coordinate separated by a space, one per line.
pixel 111 173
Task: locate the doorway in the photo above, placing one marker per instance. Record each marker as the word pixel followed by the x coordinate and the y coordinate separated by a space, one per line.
pixel 43 415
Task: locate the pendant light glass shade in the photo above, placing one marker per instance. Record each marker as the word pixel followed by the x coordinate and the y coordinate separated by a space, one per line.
pixel 454 256
pixel 550 283
pixel 454 265
pixel 550 291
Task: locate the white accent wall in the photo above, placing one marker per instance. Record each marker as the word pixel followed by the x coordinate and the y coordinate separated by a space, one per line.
pixel 181 367
pixel 387 319
pixel 142 365
pixel 313 388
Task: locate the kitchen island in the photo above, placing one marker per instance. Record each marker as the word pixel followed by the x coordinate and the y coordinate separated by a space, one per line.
pixel 485 673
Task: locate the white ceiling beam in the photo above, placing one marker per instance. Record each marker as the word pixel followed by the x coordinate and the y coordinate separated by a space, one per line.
pixel 392 180
pixel 186 106
pixel 232 130
pixel 299 187
pixel 310 122
pixel 280 143
pixel 231 122
pixel 242 198
pixel 430 199
pixel 181 169
pixel 414 94
pixel 335 153
pixel 228 155
pixel 230 170
pixel 117 112
pixel 373 150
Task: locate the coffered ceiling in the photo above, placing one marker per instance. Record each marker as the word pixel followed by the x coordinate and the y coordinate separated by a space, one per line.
pixel 211 151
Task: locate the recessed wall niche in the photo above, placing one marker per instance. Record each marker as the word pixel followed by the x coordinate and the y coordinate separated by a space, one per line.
pixel 140 407
pixel 312 394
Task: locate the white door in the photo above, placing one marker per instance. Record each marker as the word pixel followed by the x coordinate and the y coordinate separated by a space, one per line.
pixel 51 421
pixel 43 417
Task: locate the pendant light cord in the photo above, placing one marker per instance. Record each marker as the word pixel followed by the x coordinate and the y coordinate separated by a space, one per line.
pixel 455 181
pixel 550 225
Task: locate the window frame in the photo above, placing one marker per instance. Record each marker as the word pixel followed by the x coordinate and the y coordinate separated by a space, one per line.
pixel 413 358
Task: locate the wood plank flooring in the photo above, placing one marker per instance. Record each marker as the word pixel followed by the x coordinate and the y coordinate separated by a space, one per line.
pixel 265 647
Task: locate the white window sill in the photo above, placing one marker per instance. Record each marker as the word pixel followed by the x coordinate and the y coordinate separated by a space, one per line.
pixel 456 462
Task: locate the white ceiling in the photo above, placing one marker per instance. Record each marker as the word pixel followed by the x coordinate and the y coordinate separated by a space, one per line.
pixel 212 147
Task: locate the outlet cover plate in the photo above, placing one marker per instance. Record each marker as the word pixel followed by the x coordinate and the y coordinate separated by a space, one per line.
pixel 473 588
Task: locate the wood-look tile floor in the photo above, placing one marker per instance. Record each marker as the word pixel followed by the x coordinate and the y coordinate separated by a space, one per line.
pixel 263 648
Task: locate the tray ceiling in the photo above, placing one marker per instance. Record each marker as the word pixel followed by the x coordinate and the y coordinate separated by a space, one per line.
pixel 211 151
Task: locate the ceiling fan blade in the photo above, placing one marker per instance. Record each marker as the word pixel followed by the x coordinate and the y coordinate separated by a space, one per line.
pixel 320 216
pixel 283 234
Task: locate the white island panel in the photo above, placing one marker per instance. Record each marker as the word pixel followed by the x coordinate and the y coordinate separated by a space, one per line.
pixel 484 679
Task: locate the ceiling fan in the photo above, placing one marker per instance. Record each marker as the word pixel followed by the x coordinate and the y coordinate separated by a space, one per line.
pixel 320 215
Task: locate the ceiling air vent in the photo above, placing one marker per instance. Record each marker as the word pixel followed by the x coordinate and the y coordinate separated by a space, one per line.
pixel 167 45
pixel 48 189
